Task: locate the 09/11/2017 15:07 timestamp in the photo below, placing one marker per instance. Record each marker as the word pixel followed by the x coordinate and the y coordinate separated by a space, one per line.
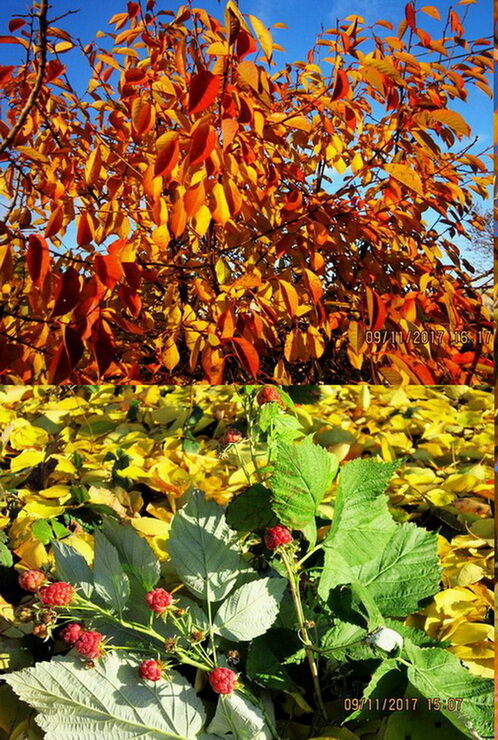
pixel 427 336
pixel 403 703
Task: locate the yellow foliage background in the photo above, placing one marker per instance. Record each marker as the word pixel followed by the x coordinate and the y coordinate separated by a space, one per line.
pixel 445 435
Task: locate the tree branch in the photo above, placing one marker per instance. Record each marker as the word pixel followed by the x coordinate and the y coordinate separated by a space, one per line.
pixel 42 61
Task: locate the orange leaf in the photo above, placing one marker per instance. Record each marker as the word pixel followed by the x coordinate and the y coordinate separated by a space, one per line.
pixel 54 223
pixel 247 355
pixel 86 229
pixel 168 151
pixel 410 16
pixel 102 346
pixel 314 285
pixel 204 88
pixel 203 143
pixel 377 311
pixel 143 116
pixel 66 358
pixel 229 128
pixel 225 325
pixel 38 259
pixel 213 362
pixel 109 269
pixel 341 86
pixel 290 296
pixel 68 292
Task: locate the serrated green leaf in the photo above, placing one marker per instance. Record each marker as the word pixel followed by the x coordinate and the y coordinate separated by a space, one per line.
pixel 303 473
pixel 266 656
pixel 72 567
pixel 388 680
pixel 137 558
pixel 107 702
pixel 239 718
pixel 204 550
pixel 437 673
pixel 110 581
pixel 250 610
pixel 6 559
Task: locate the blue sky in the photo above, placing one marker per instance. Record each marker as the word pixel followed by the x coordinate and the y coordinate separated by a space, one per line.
pixel 304 18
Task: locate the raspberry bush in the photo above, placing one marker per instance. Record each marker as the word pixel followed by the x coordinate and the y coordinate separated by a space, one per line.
pixel 264 612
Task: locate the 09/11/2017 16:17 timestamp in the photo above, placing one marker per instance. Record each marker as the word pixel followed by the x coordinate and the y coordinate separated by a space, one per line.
pixel 403 703
pixel 427 336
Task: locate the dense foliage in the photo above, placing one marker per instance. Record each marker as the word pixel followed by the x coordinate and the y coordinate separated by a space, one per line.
pixel 311 587
pixel 204 212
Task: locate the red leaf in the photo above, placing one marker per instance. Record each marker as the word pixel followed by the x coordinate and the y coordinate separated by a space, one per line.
pixel 247 355
pixel 203 143
pixel 68 292
pixel 133 274
pixel 204 88
pixel 341 86
pixel 102 346
pixel 109 269
pixel 66 358
pixel 54 223
pixel 410 16
pixel 5 74
pixel 245 45
pixel 131 299
pixel 167 156
pixel 133 9
pixel 16 23
pixel 38 259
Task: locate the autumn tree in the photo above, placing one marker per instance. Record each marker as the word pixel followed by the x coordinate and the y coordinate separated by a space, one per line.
pixel 201 214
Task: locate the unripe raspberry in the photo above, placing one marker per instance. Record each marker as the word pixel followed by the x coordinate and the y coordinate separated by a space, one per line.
pixel 150 670
pixel 222 680
pixel 48 616
pixel 72 632
pixel 57 594
pixel 231 437
pixel 40 630
pixel 89 645
pixel 276 536
pixel 268 394
pixel 24 614
pixel 31 580
pixel 159 600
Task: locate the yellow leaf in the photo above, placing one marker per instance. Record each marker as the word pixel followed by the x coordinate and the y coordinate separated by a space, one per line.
pixel 170 355
pixel 23 435
pixel 407 176
pixel 300 122
pixel 26 459
pixel 223 272
pixel 201 220
pixel 161 236
pixel 263 35
pixel 453 120
pixel 92 167
pixel 61 492
pixel 219 205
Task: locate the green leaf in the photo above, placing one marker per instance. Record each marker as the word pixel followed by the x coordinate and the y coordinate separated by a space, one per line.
pixel 362 524
pixel 238 718
pixel 250 610
pixel 405 573
pixel 72 567
pixel 111 583
pixel 265 659
pixel 137 558
pixel 204 550
pixel 437 673
pixel 388 680
pixel 6 559
pixel 303 473
pixel 107 702
pixel 251 510
pixel 41 530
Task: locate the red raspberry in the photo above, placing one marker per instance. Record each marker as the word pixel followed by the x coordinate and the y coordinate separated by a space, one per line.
pixel 72 632
pixel 159 600
pixel 268 394
pixel 150 670
pixel 57 594
pixel 276 536
pixel 231 437
pixel 223 680
pixel 89 645
pixel 31 580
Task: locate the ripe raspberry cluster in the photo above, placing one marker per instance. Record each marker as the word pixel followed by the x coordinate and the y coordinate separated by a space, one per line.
pixel 150 670
pixel 277 536
pixel 72 632
pixel 89 644
pixel 57 594
pixel 268 394
pixel 159 600
pixel 223 680
pixel 232 436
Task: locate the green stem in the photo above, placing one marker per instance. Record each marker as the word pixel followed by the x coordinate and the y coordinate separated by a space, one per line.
pixel 309 554
pixel 211 630
pixel 308 644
